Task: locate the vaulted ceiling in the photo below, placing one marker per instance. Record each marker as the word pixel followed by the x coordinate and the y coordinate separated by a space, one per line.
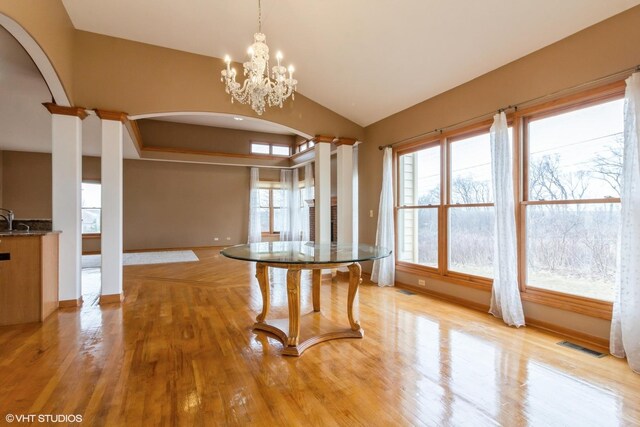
pixel 362 59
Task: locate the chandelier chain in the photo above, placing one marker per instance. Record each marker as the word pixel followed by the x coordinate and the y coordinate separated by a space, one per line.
pixel 259 16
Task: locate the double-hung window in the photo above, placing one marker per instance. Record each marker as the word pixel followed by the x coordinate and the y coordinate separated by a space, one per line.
pixel 573 168
pixel 419 196
pixel 470 209
pixel 270 205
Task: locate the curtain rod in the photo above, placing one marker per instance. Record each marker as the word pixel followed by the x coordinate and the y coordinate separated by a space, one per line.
pixel 515 106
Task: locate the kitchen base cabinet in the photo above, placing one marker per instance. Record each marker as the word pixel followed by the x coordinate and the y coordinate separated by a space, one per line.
pixel 28 277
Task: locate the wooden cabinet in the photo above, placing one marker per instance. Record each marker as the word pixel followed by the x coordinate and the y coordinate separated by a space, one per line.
pixel 28 277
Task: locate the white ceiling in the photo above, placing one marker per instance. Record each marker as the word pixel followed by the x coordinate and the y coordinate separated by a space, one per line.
pixel 25 123
pixel 224 121
pixel 362 59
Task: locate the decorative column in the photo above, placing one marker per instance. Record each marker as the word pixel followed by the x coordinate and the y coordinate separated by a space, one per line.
pixel 345 189
pixel 111 179
pixel 322 188
pixel 66 196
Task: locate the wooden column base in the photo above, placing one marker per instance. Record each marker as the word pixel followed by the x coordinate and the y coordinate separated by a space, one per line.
pixel 314 329
pixel 111 299
pixel 70 303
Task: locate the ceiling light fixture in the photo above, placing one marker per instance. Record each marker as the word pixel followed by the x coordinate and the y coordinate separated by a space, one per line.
pixel 258 88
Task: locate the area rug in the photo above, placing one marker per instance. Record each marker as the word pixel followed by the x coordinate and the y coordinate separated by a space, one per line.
pixel 140 258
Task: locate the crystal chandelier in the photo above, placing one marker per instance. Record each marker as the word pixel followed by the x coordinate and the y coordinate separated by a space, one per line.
pixel 258 88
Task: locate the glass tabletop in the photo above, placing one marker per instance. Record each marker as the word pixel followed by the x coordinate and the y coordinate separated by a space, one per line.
pixel 305 252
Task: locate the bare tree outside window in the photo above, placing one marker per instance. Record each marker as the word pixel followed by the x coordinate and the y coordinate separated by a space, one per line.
pixel 571 213
pixel 571 247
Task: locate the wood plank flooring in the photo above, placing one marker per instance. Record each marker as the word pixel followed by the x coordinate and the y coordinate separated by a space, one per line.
pixel 180 351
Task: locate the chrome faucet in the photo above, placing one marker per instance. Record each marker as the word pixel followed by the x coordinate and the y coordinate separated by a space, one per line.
pixel 8 216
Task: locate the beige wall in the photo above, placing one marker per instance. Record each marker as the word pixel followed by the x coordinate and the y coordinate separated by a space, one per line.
pixel 1 179
pixel 169 205
pixel 26 179
pixel 166 205
pixel 205 138
pixel 137 78
pixel 49 25
pixel 598 51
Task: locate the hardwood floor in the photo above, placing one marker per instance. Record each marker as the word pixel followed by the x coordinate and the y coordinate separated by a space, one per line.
pixel 180 351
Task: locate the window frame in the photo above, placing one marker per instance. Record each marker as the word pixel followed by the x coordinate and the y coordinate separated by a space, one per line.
pixel 577 303
pixel 270 153
pixel 270 186
pixel 397 153
pixel 517 121
pixel 304 146
pixel 98 234
pixel 453 137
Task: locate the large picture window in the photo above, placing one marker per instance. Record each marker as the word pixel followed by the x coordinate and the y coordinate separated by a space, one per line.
pixel 567 183
pixel 574 166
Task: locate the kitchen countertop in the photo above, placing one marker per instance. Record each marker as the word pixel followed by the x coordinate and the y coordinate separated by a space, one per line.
pixel 14 233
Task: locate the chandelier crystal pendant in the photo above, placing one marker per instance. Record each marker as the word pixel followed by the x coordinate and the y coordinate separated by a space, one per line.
pixel 259 88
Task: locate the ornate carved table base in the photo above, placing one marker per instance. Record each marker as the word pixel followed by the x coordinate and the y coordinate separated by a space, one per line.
pixel 299 332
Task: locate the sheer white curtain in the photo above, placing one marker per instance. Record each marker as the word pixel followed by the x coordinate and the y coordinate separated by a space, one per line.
pixel 285 212
pixel 625 324
pixel 384 270
pixel 505 295
pixel 356 192
pixel 255 233
pixel 306 195
pixel 295 210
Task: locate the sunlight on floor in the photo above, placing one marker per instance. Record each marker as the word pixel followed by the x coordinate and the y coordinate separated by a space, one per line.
pixel 91 285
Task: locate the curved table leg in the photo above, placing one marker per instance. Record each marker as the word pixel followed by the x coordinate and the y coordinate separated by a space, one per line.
pixel 355 273
pixel 262 274
pixel 293 295
pixel 316 281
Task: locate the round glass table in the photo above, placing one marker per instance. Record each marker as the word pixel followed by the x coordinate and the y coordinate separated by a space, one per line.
pixel 299 332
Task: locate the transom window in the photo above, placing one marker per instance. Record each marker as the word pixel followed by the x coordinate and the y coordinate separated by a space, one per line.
pixel 270 149
pixel 304 146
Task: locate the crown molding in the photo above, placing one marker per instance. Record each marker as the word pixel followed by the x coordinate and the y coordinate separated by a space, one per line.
pixel 66 111
pixel 323 138
pixel 345 141
pixel 117 116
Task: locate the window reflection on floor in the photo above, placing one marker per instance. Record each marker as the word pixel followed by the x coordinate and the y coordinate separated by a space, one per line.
pixel 582 400
pixel 91 283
